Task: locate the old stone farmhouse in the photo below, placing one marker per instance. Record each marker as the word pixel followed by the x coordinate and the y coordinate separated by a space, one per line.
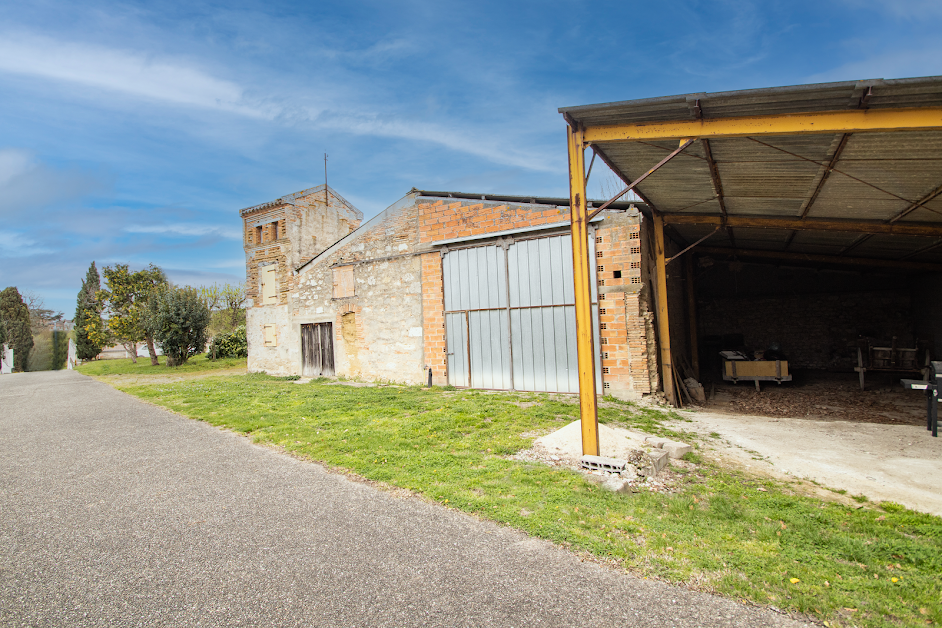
pixel 476 288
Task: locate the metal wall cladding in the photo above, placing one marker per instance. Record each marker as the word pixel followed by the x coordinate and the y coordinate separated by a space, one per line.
pixel 537 328
pixel 476 319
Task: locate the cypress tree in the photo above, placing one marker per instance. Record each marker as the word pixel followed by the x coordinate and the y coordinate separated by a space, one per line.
pixel 89 328
pixel 15 317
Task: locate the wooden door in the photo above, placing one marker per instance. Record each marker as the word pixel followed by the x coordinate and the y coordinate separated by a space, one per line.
pixel 317 350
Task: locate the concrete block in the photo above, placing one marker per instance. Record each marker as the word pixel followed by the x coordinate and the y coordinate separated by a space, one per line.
pixel 656 459
pixel 676 449
pixel 602 463
pixel 617 485
pixel 655 441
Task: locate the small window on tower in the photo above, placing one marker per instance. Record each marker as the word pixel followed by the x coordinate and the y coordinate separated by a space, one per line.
pixel 617 274
pixel 258 234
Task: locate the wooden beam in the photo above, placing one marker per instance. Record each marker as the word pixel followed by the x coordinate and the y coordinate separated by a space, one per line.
pixel 931 230
pixel 663 324
pixel 850 121
pixel 692 318
pixel 823 259
pixel 582 275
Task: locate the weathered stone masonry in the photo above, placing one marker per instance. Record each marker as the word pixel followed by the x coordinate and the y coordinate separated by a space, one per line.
pixel 391 324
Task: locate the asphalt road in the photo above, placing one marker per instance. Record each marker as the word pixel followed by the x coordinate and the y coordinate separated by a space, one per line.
pixel 116 513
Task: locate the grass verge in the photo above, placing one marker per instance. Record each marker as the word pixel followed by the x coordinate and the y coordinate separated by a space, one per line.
pixel 196 364
pixel 719 530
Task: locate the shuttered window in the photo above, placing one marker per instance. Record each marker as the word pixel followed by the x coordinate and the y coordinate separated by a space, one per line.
pixel 271 335
pixel 269 279
pixel 343 282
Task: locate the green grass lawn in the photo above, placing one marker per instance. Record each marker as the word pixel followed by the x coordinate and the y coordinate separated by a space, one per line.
pixel 720 530
pixel 124 366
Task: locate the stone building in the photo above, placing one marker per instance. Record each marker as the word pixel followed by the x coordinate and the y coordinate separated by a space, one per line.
pixel 478 289
pixel 279 236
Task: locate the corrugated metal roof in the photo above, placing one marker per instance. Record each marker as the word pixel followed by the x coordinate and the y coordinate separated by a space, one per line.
pixel 876 176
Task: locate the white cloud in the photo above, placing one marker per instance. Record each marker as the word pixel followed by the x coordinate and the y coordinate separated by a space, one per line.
pixel 908 9
pixel 15 245
pixel 889 65
pixel 122 71
pixel 182 83
pixel 186 229
pixel 26 184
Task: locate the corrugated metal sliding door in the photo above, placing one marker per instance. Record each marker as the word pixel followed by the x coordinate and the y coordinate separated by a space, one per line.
pixel 476 325
pixel 543 315
pixel 537 325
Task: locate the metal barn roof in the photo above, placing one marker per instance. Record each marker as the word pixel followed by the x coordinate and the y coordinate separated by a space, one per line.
pixel 884 186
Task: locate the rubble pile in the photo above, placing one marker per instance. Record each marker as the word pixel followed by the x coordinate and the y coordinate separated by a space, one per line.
pixel 642 459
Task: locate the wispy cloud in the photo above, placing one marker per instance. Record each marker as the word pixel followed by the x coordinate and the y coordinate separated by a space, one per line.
pixel 925 61
pixel 123 71
pixel 186 230
pixel 183 83
pixel 27 184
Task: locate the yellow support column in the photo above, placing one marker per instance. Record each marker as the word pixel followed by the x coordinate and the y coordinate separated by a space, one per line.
pixel 663 324
pixel 582 275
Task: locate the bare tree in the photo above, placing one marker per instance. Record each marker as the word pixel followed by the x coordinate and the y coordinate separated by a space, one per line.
pixel 40 317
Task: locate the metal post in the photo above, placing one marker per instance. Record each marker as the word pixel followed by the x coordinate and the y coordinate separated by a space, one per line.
pixel 663 324
pixel 582 276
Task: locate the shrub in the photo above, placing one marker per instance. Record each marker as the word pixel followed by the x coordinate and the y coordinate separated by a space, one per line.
pixel 15 317
pixel 60 349
pixel 177 319
pixel 231 345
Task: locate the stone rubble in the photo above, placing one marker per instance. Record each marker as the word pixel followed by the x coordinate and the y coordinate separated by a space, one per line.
pixel 646 457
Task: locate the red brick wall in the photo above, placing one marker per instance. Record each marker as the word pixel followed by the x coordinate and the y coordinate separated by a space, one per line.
pixel 622 317
pixel 443 221
pixel 433 317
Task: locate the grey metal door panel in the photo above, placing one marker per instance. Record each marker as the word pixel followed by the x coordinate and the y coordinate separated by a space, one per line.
pixel 456 333
pixel 490 349
pixel 540 352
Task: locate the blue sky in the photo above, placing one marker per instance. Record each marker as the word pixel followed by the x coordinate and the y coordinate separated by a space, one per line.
pixel 132 133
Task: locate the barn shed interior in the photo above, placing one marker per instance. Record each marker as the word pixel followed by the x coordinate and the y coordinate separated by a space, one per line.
pixel 797 239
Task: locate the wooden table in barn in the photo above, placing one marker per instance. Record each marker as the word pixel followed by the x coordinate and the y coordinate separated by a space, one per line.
pixel 736 367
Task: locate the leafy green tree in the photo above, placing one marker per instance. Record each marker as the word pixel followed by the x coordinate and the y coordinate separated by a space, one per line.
pixel 15 317
pixel 178 319
pixel 90 333
pixel 119 299
pixel 126 295
pixel 153 279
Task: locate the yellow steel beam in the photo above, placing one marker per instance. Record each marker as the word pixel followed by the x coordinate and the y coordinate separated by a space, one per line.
pixel 663 324
pixel 585 349
pixel 853 121
pixel 930 230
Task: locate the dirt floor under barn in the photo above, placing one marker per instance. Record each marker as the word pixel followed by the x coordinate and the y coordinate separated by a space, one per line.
pixel 822 427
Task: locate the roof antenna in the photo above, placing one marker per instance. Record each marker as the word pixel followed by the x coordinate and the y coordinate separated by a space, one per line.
pixel 326 202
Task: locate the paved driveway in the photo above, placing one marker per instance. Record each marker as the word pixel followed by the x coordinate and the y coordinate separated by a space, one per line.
pixel 116 513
